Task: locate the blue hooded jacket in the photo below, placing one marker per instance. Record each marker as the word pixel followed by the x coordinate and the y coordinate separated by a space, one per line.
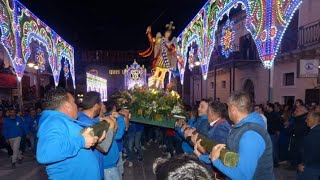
pixel 61 148
pixel 251 148
pixel 85 121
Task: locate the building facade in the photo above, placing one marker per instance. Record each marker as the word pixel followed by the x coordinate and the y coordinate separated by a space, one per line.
pixel 244 71
pixel 110 65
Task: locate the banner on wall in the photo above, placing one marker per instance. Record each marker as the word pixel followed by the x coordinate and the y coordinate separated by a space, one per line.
pixel 308 68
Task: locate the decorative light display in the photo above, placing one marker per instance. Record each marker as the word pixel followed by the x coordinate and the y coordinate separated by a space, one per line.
pixel 40 59
pixel 135 75
pixel 19 28
pixel 66 69
pixel 98 84
pixel 266 20
pixel 227 40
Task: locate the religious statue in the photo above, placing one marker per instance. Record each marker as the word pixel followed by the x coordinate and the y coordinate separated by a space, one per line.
pixel 165 58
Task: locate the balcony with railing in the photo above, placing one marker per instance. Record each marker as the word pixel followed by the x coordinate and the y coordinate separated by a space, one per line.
pixel 309 35
pixel 300 38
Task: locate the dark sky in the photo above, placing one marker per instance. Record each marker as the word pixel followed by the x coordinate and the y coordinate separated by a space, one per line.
pixel 116 24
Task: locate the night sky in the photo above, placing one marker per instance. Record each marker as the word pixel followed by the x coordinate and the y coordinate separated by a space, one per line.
pixel 114 25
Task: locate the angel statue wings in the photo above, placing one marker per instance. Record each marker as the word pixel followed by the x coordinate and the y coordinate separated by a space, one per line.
pixel 164 54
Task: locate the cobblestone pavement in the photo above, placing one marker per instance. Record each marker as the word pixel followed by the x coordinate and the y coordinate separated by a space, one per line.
pixel 31 170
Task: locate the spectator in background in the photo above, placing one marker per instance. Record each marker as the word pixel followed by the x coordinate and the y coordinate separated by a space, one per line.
pixel 25 134
pixel 278 108
pixel 3 143
pixel 298 130
pixel 33 125
pixel 170 141
pixel 258 108
pixel 274 126
pixel 298 103
pixel 39 111
pixel 284 135
pixel 13 129
pixel 309 167
pixel 134 138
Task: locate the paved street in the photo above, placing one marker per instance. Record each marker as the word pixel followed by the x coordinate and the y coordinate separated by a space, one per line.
pixel 31 170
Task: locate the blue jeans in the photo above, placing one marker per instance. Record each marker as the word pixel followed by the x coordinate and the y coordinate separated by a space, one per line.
pixel 112 174
pixel 134 141
pixel 309 174
pixel 120 164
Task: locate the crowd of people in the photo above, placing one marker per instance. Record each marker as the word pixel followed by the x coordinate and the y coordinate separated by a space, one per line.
pixel 18 130
pixel 263 136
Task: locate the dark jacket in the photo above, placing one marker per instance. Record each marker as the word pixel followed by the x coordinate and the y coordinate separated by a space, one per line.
pixel 299 126
pixel 310 153
pixel 274 122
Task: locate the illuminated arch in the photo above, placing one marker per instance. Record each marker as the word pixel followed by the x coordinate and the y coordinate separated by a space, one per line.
pixel 266 20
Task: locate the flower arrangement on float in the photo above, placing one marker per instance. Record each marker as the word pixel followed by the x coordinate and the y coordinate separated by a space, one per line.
pixel 151 106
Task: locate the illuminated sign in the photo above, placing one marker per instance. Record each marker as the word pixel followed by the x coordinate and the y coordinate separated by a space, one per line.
pixel 135 75
pixel 116 71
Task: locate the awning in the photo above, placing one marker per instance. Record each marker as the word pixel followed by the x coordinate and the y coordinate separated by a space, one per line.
pixel 8 80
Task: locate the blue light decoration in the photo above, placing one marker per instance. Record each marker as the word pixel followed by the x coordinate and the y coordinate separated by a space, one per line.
pixel 228 37
pixel 20 27
pixel 266 21
pixel 135 75
pixel 66 69
pixel 40 59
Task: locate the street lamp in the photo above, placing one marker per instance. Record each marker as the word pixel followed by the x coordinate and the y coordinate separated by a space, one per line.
pixel 197 63
pixel 31 64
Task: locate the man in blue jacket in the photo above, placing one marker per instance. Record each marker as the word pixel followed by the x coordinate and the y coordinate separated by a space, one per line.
pixel 65 152
pixel 249 138
pixel 218 130
pixel 92 106
pixel 110 160
pixel 13 129
pixel 201 124
pixel 185 146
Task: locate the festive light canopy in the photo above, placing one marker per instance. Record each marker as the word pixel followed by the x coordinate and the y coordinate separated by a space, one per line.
pixel 135 75
pixel 98 84
pixel 266 20
pixel 19 28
